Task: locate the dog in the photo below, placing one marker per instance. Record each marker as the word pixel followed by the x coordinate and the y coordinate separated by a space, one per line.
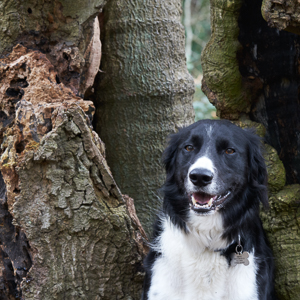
pixel 208 241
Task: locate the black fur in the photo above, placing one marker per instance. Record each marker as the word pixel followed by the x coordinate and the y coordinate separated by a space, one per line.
pixel 247 178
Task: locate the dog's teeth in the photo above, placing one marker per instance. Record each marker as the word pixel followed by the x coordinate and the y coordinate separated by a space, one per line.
pixel 193 200
pixel 199 205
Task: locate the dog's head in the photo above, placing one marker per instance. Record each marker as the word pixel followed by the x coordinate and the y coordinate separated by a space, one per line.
pixel 212 165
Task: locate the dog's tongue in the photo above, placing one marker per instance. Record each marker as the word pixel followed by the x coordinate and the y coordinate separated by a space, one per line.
pixel 201 198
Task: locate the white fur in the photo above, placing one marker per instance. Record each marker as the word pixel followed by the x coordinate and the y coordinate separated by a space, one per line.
pixel 202 163
pixel 209 130
pixel 190 268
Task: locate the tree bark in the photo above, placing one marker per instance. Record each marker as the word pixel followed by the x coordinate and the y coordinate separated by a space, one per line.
pixel 68 233
pixel 282 14
pixel 66 230
pixel 143 94
pixel 63 30
pixel 251 74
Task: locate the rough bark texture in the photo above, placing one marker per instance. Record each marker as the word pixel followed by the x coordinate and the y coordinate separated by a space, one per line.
pixel 143 94
pixel 259 68
pixel 282 14
pixel 282 225
pixel 222 80
pixel 63 30
pixel 66 230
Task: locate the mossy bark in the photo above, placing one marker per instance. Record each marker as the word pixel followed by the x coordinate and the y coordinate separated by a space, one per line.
pixel 222 81
pixel 251 74
pixel 143 93
pixel 282 226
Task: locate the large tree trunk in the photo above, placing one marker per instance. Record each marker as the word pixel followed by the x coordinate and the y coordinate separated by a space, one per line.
pixel 143 94
pixel 251 74
pixel 66 230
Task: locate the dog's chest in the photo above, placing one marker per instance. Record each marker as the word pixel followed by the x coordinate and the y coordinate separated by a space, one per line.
pixel 183 274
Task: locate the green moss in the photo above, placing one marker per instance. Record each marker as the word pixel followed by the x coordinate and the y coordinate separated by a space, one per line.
pixel 286 198
pixel 281 223
pixel 275 168
pixel 222 79
pixel 244 122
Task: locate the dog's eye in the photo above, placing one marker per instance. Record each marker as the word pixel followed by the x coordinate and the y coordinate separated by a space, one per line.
pixel 189 148
pixel 229 151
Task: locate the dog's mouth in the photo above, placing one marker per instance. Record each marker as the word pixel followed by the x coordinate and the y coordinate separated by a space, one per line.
pixel 201 202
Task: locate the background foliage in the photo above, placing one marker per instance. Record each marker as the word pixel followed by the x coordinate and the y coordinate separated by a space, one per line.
pixel 196 20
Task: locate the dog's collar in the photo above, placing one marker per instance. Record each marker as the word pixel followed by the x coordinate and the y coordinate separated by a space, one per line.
pixel 230 248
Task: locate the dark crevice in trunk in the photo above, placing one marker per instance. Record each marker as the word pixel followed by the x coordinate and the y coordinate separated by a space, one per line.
pixel 269 61
pixel 15 260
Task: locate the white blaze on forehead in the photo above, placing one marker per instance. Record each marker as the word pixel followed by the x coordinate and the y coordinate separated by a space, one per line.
pixel 202 163
pixel 209 130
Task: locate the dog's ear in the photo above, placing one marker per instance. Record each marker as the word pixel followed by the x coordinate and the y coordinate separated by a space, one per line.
pixel 170 153
pixel 257 171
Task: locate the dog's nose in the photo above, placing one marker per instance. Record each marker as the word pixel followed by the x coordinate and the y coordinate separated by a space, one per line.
pixel 201 177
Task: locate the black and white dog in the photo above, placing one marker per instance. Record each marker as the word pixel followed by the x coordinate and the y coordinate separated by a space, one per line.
pixel 208 242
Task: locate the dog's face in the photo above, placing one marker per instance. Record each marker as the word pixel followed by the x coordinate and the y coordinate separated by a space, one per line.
pixel 211 162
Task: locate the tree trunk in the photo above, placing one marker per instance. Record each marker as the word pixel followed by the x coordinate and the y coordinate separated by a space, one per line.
pixel 251 74
pixel 66 231
pixel 143 94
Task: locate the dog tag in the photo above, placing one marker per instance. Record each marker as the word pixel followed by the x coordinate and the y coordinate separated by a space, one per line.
pixel 240 256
